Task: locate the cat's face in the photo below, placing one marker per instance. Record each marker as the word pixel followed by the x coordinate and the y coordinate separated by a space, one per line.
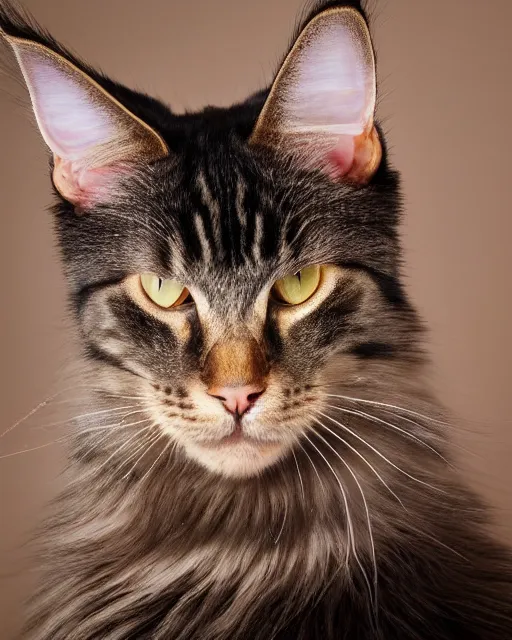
pixel 227 267
pixel 234 367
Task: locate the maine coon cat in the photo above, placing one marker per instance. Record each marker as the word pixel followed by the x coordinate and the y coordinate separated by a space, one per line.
pixel 263 457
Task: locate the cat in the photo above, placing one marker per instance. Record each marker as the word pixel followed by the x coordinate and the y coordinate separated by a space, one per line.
pixel 263 457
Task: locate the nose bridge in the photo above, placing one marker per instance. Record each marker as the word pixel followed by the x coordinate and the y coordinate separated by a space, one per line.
pixel 235 362
pixel 225 324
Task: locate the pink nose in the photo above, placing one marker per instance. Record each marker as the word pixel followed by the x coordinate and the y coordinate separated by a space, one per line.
pixel 237 400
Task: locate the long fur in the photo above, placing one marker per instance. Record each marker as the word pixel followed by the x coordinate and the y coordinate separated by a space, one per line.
pixel 363 530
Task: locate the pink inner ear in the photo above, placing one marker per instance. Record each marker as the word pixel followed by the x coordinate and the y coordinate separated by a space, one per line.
pixel 71 120
pixel 85 187
pixel 341 159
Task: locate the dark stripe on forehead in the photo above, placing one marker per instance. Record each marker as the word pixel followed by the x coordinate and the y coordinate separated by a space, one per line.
pixel 251 204
pixel 261 211
pixel 209 191
pixel 228 197
pixel 164 254
pixel 223 212
pixel 270 236
pixel 193 206
pixel 224 191
pixel 293 227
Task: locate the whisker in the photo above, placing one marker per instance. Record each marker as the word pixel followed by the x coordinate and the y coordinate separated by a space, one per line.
pixel 101 412
pixel 360 455
pixel 74 387
pixel 313 465
pixel 92 447
pixel 47 402
pixel 350 531
pixel 105 392
pixel 300 478
pixel 349 520
pixel 373 418
pixel 173 450
pixel 114 426
pixel 101 427
pixel 39 406
pixel 390 406
pixel 368 519
pixel 417 424
pixel 109 428
pixel 137 397
pixel 144 441
pixel 381 455
pixel 43 446
pixel 59 423
pixel 156 438
pixel 282 525
pixel 29 414
pixel 157 458
pixel 85 415
pixel 437 541
pixel 125 444
pixel 276 540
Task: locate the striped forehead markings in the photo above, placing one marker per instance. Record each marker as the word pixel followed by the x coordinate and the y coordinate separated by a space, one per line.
pixel 213 208
pixel 221 225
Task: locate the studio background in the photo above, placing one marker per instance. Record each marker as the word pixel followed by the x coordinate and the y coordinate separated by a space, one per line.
pixel 444 72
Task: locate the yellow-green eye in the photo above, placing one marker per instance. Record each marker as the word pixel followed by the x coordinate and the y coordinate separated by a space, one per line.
pixel 298 287
pixel 165 293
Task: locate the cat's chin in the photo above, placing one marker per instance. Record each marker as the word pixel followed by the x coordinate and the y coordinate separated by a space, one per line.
pixel 237 459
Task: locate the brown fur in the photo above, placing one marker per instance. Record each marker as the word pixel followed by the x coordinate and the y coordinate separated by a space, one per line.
pixel 340 516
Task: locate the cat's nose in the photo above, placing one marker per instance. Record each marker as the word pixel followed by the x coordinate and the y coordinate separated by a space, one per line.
pixel 237 400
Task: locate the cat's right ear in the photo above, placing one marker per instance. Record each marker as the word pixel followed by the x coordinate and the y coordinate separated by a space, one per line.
pixel 321 105
pixel 92 136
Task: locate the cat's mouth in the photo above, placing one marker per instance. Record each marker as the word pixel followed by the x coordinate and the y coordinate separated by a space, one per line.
pixel 239 437
pixel 238 450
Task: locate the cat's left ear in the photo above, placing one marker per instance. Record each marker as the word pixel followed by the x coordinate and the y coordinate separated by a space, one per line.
pixel 92 136
pixel 321 105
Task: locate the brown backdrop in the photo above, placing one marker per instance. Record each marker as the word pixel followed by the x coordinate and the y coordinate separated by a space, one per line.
pixel 444 69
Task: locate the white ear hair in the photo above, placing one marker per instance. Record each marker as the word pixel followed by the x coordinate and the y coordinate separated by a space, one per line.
pixel 321 105
pixel 70 120
pixel 86 128
pixel 334 89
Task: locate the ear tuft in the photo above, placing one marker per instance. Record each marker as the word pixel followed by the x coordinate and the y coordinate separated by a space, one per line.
pixel 321 105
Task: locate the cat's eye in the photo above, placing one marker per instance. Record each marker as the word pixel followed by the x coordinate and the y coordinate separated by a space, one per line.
pixel 164 292
pixel 297 287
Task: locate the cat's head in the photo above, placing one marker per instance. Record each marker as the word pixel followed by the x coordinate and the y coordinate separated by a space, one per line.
pixel 227 267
